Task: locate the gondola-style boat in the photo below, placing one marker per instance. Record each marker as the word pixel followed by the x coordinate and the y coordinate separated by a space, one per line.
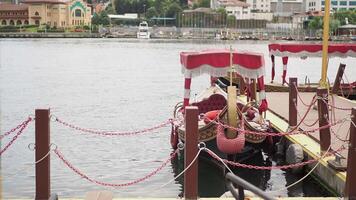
pixel 286 50
pixel 221 108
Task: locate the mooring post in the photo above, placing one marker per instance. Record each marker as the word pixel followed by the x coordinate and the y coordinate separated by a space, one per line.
pixel 42 144
pixel 253 90
pixel 350 192
pixel 340 73
pixel 190 151
pixel 293 99
pixel 323 112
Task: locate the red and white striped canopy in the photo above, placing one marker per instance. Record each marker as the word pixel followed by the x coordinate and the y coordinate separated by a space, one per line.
pixel 217 63
pixel 311 50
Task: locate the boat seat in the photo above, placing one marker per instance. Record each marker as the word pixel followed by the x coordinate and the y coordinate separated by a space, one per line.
pixel 214 102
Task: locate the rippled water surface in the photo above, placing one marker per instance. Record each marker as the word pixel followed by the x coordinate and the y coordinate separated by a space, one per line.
pixel 111 84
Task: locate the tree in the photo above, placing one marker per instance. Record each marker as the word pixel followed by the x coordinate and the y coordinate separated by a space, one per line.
pixel 350 15
pixel 95 20
pixel 151 12
pixel 173 10
pixel 316 23
pixel 104 18
pixel 334 25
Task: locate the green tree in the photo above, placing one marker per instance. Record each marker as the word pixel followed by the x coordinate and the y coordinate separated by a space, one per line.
pixel 95 20
pixel 231 20
pixel 350 15
pixel 151 12
pixel 173 10
pixel 334 25
pixel 316 23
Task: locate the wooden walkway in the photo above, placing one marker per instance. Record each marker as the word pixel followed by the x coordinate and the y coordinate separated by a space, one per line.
pixel 278 103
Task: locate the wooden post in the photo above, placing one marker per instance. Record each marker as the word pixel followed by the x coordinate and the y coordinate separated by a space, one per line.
pixel 323 113
pixel 293 100
pixel 190 151
pixel 253 90
pixel 340 73
pixel 242 85
pixel 43 184
pixel 350 192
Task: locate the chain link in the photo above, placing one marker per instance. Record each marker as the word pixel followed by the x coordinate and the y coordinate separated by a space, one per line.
pixel 16 136
pixel 115 133
pixel 80 173
pixel 237 164
pixel 14 129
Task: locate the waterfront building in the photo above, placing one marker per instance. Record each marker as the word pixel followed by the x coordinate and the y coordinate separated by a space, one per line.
pixel 260 5
pixel 319 5
pixel 239 9
pixel 287 7
pixel 13 14
pixel 54 13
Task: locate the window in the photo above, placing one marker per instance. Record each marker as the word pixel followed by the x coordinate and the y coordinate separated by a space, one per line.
pixel 26 22
pixel 352 3
pixel 18 22
pixel 322 3
pixel 343 3
pixel 78 13
pixel 37 22
pixel 334 3
pixel 36 13
pixel 3 22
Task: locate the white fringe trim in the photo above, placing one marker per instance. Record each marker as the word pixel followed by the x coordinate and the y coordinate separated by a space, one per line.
pixel 221 72
pixel 284 67
pixel 262 95
pixel 304 54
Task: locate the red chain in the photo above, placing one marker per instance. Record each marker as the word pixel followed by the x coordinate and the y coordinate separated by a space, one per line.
pixel 300 116
pixel 237 164
pixel 80 173
pixel 13 130
pixel 277 133
pixel 114 133
pixel 16 136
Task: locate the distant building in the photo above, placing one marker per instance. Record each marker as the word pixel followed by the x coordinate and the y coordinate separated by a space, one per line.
pixel 319 5
pixel 13 14
pixel 239 9
pixel 287 7
pixel 348 29
pixel 301 20
pixel 54 13
pixel 260 5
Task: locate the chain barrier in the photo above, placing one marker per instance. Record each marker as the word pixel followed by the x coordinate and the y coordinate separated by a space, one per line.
pixel 114 133
pixel 299 115
pixel 27 166
pixel 273 134
pixel 80 173
pixel 16 136
pixel 301 99
pixel 14 129
pixel 237 164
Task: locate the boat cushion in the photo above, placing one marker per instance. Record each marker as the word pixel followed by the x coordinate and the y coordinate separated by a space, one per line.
pixel 211 115
pixel 214 102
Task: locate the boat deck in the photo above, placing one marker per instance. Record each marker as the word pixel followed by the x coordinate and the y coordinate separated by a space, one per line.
pixel 279 114
pixel 339 132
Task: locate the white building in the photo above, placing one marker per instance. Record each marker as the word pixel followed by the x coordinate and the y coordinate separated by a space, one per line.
pixel 318 5
pixel 239 9
pixel 287 7
pixel 260 5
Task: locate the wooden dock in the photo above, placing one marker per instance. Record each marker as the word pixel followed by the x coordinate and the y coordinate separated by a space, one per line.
pixel 279 115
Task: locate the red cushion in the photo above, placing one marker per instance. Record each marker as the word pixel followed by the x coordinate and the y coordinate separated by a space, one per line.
pixel 211 115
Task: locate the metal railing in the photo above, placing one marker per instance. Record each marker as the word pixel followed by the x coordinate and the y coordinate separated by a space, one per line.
pixel 232 179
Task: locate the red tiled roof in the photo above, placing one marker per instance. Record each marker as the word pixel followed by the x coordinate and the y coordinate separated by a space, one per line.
pixel 233 3
pixel 13 7
pixel 45 1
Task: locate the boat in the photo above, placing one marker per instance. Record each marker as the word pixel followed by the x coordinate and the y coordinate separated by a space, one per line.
pixel 221 109
pixel 304 50
pixel 143 32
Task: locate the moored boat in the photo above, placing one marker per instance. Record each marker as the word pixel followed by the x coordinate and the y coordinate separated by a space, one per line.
pixel 143 32
pixel 226 124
